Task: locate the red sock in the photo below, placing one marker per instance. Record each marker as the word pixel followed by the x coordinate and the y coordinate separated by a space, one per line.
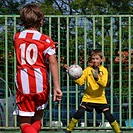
pixel 37 125
pixel 27 128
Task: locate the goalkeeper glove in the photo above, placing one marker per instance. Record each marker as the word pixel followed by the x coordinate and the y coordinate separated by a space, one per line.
pixel 95 71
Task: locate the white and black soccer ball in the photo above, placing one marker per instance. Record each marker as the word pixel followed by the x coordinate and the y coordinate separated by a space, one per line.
pixel 75 71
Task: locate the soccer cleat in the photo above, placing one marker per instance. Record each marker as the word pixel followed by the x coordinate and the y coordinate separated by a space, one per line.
pixel 66 131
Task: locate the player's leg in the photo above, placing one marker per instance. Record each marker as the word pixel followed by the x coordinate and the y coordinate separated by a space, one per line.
pixel 32 123
pixel 111 120
pixel 76 118
pixel 25 111
pixel 36 120
pixel 25 125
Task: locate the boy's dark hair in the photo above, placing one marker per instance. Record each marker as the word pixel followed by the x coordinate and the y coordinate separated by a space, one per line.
pixel 96 52
pixel 31 16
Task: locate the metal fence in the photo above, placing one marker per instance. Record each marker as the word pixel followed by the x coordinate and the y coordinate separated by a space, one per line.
pixel 76 36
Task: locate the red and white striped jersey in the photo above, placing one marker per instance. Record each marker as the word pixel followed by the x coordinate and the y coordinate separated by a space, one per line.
pixel 32 51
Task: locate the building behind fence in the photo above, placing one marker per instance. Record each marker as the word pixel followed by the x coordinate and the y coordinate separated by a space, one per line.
pixel 75 37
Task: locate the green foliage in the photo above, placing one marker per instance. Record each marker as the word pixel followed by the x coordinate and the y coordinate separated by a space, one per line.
pixel 48 8
pixel 9 7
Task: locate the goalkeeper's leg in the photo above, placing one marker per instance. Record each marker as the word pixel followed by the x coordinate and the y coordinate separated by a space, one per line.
pixel 75 119
pixel 112 121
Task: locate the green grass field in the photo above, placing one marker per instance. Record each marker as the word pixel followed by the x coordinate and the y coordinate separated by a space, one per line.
pixel 77 131
pixel 87 132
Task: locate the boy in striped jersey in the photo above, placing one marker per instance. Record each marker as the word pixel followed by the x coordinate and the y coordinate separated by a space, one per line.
pixel 35 55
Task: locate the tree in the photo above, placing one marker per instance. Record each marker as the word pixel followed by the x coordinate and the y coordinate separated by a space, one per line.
pixel 91 7
pixel 79 7
pixel 87 7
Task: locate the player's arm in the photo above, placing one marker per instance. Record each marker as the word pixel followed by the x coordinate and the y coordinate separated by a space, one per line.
pixel 103 78
pixel 80 81
pixel 55 75
pixel 100 76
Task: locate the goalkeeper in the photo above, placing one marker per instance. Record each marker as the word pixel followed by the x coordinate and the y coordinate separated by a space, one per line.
pixel 96 77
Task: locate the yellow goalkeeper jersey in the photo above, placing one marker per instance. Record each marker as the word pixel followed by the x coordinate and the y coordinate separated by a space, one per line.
pixel 95 90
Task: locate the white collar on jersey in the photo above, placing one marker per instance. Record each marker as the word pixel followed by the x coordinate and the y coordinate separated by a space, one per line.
pixel 30 31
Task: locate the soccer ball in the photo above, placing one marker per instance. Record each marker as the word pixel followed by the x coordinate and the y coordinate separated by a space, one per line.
pixel 75 71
